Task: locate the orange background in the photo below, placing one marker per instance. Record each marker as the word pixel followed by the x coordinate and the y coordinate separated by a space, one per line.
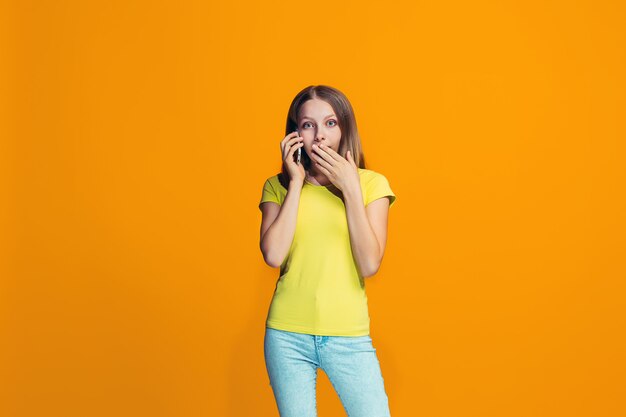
pixel 136 137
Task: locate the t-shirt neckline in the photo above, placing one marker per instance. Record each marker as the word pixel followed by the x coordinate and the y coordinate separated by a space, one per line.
pixel 318 186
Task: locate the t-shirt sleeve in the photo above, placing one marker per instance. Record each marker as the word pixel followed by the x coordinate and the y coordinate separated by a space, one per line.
pixel 269 193
pixel 379 187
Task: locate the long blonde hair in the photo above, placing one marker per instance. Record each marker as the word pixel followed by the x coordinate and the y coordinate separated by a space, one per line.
pixel 350 139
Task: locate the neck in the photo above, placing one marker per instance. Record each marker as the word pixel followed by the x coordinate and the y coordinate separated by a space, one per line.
pixel 318 177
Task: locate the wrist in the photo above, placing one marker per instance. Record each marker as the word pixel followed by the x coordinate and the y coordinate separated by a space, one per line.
pixel 353 194
pixel 296 183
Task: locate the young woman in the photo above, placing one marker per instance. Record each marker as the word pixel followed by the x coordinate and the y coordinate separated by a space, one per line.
pixel 325 225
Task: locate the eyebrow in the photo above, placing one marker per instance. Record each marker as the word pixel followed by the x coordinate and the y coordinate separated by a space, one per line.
pixel 330 115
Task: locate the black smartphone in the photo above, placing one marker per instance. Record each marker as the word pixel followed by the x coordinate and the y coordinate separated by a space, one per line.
pixel 298 154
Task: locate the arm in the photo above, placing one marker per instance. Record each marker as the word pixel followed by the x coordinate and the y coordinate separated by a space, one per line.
pixel 368 231
pixel 279 226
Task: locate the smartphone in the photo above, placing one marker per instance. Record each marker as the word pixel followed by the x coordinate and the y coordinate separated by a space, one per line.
pixel 298 154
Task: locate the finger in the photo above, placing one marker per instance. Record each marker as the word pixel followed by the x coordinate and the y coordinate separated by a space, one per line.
pixel 322 153
pixel 332 157
pixel 321 161
pixel 325 171
pixel 289 136
pixel 290 142
pixel 330 152
pixel 294 141
pixel 295 148
pixel 349 157
pixel 352 161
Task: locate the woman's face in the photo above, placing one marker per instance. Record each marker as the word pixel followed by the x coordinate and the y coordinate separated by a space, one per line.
pixel 317 123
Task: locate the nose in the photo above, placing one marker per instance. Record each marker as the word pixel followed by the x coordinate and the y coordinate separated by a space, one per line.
pixel 319 136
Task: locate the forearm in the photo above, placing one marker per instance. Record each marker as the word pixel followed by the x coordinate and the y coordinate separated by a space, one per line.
pixel 365 245
pixel 279 236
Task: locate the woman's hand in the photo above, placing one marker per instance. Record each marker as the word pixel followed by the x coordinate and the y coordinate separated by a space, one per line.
pixel 288 146
pixel 342 172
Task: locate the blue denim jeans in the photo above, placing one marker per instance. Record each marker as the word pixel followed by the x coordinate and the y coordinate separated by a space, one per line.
pixel 350 362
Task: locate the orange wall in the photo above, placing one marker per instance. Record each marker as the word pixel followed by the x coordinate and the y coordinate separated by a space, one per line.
pixel 136 137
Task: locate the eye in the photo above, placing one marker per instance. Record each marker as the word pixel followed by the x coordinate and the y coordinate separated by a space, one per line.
pixel 331 120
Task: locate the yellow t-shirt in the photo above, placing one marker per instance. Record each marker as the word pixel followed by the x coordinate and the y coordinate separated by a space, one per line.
pixel 319 290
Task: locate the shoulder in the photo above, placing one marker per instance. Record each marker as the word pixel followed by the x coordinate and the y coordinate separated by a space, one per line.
pixel 274 182
pixel 369 175
pixel 375 185
pixel 274 187
pixel 273 191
